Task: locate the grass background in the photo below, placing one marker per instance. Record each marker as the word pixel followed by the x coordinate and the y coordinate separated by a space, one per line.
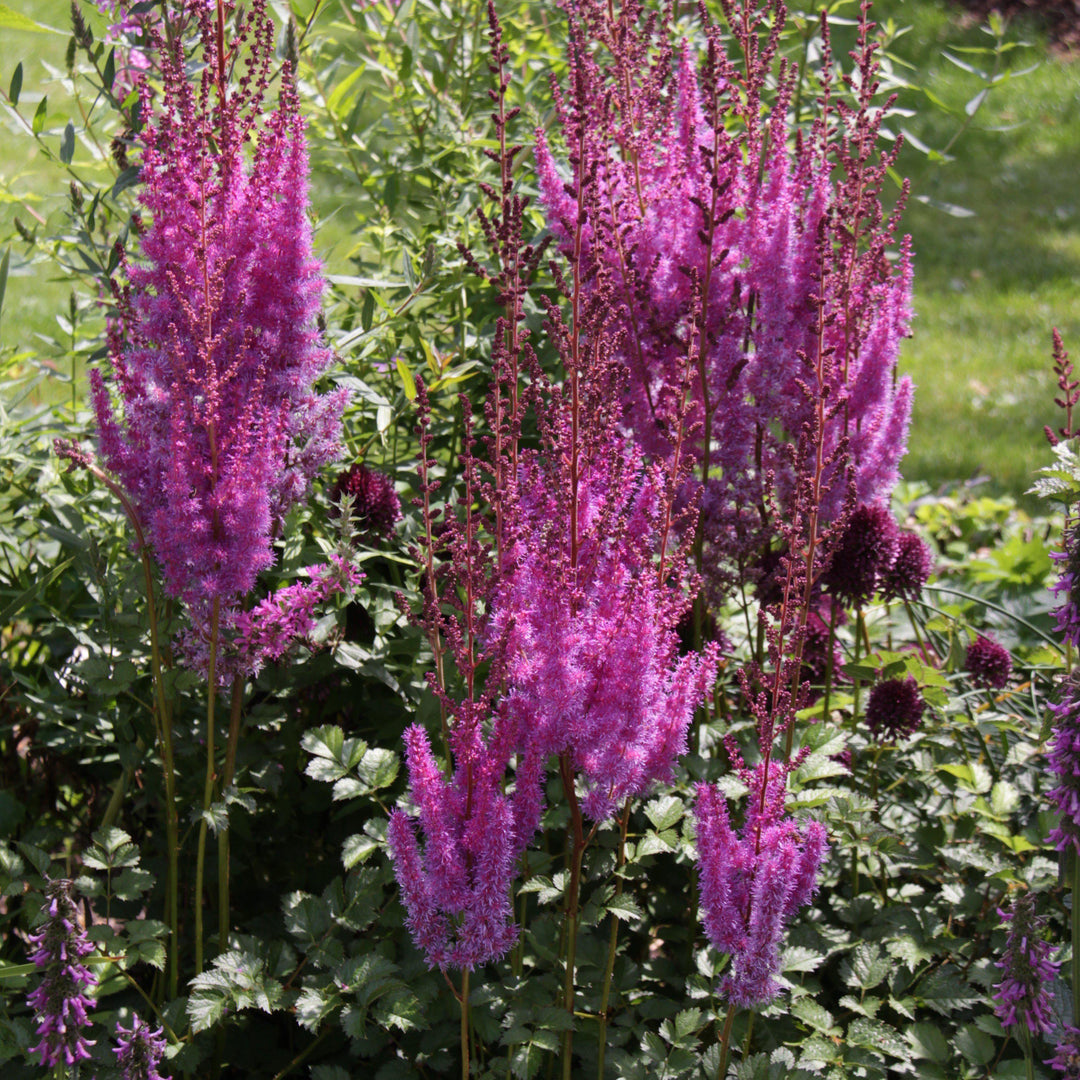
pixel 989 284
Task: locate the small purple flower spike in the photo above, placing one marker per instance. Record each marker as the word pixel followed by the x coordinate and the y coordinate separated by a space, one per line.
pixel 139 1051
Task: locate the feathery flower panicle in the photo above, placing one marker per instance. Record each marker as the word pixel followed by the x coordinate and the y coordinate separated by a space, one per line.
pixel 864 556
pixel 1023 997
pixel 207 414
pixel 376 508
pixel 1066 1059
pixel 910 570
pixel 754 880
pixel 62 999
pixel 750 259
pixel 456 889
pixel 988 663
pixel 138 1050
pixel 895 708
pixel 592 655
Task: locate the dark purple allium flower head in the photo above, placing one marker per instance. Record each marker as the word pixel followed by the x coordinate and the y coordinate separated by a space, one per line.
pixel 895 708
pixel 1023 997
pixel 1066 1059
pixel 988 663
pixel 139 1051
pixel 864 555
pixel 911 569
pixel 61 1001
pixel 375 504
pixel 207 413
pixel 753 882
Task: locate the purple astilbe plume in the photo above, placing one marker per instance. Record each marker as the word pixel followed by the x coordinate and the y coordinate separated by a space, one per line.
pixel 61 1001
pixel 1023 997
pixel 456 889
pixel 593 670
pixel 138 1050
pixel 733 252
pixel 910 570
pixel 207 414
pixel 375 508
pixel 754 880
pixel 988 663
pixel 1066 1059
pixel 895 708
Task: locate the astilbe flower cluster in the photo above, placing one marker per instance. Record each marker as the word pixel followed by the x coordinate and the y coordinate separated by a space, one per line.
pixel 207 414
pixel 894 709
pixel 754 879
pixel 138 1050
pixel 988 663
pixel 62 999
pixel 748 258
pixel 1023 997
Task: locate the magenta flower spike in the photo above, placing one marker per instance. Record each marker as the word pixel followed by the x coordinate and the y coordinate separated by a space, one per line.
pixel 753 881
pixel 61 1001
pixel 207 413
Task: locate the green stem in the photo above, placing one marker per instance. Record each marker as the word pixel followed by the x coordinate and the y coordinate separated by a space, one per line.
pixel 465 1024
pixel 613 941
pixel 577 850
pixel 725 1041
pixel 208 785
pixel 236 706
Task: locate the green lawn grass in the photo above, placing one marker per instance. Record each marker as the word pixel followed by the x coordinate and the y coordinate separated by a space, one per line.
pixel 989 286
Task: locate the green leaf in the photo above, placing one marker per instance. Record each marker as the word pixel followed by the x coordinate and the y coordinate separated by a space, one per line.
pixel 16 20
pixel 379 768
pixel 665 811
pixel 878 1036
pixel 67 143
pixel 407 380
pixel 356 849
pixel 975 1045
pixel 40 113
pixel 867 967
pixel 15 88
pixel 817 1016
pixel 945 992
pixel 624 907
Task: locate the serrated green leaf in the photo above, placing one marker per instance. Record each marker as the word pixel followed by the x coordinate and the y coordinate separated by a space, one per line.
pixel 975 1045
pixel 878 1036
pixel 356 849
pixel 379 768
pixel 817 1016
pixel 624 907
pixel 867 967
pixel 665 811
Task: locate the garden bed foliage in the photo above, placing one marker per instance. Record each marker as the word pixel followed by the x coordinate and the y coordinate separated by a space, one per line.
pixel 480 629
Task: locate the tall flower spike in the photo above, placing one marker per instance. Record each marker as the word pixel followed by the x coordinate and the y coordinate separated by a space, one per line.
pixel 62 1000
pixel 207 414
pixel 753 882
pixel 1023 997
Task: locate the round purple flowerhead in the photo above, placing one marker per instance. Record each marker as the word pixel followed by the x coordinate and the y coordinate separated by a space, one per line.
pixel 376 507
pixel 1022 998
pixel 139 1051
pixel 895 708
pixel 864 555
pixel 988 663
pixel 910 570
pixel 60 1003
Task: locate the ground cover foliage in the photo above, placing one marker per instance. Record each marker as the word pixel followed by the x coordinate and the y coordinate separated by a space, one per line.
pixel 605 706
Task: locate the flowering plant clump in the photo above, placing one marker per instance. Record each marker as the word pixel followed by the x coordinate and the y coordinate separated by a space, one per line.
pixel 61 1003
pixel 207 413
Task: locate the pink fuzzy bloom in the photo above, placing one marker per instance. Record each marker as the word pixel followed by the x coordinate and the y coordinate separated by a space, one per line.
pixel 207 413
